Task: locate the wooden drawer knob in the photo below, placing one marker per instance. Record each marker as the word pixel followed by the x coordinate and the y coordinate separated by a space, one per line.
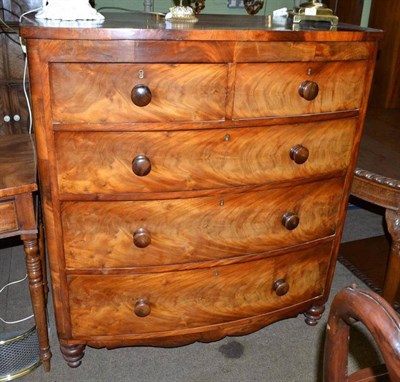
pixel 290 220
pixel 299 154
pixel 141 238
pixel 142 308
pixel 281 287
pixel 141 95
pixel 309 90
pixel 141 165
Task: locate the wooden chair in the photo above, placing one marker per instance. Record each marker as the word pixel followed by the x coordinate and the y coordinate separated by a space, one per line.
pixel 354 304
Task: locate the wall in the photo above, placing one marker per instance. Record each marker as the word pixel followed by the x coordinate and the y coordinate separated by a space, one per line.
pixel 212 6
pixel 216 6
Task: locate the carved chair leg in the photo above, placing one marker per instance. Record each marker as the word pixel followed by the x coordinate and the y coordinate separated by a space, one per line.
pixel 392 277
pixel 34 269
pixel 350 305
pixel 314 314
pixel 73 354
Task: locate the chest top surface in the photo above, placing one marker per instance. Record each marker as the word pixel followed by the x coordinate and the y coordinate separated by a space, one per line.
pixel 208 27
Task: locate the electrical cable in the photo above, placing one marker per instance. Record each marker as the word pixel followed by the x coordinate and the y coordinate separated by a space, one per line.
pixel 7 34
pixel 28 104
pixel 12 30
pixel 24 80
pixel 23 319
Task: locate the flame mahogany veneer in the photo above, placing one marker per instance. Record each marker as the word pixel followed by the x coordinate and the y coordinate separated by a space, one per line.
pixel 194 180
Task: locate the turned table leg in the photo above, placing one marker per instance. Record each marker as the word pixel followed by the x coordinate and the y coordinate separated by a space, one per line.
pixel 34 270
pixel 392 278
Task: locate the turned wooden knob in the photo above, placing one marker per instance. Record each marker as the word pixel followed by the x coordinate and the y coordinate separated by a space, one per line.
pixel 141 238
pixel 309 90
pixel 142 308
pixel 141 95
pixel 281 287
pixel 141 165
pixel 290 220
pixel 299 154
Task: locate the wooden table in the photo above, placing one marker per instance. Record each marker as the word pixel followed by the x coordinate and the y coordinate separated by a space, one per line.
pixel 17 218
pixel 377 180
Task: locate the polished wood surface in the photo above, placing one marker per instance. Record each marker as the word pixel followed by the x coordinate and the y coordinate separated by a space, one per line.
pixel 103 92
pixel 105 305
pixel 386 85
pixel 17 165
pixel 221 27
pixel 338 84
pixel 13 106
pixel 177 225
pixel 377 180
pixel 350 305
pixel 17 218
pixel 379 150
pixel 194 183
pixel 195 160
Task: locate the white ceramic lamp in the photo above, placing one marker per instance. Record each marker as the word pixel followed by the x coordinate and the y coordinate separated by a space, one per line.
pixel 69 10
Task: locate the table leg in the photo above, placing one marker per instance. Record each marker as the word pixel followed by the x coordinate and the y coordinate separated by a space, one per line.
pixel 34 269
pixel 392 277
pixel 42 253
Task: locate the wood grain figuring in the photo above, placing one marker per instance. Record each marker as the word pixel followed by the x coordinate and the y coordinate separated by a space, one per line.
pixel 258 93
pixel 215 205
pixel 187 160
pixel 247 223
pixel 17 165
pixel 102 93
pixel 300 51
pixel 128 51
pixel 104 305
pixel 8 216
pixel 201 51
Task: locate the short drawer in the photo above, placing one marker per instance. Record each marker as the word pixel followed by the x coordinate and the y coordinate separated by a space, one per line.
pixel 141 162
pixel 277 89
pixel 112 93
pixel 8 216
pixel 150 233
pixel 157 302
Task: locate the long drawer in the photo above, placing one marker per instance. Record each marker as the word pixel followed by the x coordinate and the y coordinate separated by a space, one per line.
pixel 302 88
pixel 158 302
pixel 8 216
pixel 139 162
pixel 149 233
pixel 102 93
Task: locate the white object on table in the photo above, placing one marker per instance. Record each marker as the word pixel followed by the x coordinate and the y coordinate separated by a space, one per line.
pixel 69 10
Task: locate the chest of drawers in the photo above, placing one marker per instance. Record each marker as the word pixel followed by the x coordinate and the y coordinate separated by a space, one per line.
pixel 194 180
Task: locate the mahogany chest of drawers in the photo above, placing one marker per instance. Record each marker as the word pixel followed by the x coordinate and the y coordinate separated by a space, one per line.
pixel 194 179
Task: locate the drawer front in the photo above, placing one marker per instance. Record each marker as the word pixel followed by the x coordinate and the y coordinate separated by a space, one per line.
pixel 102 163
pixel 8 216
pixel 102 93
pixel 269 90
pixel 116 305
pixel 146 233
